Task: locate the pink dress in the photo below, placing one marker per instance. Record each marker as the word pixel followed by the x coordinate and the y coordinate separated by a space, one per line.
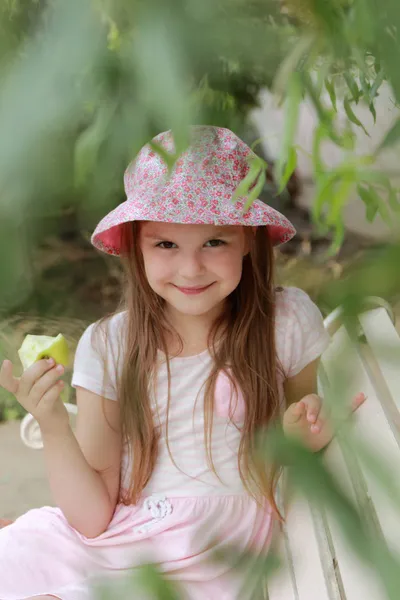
pixel 186 512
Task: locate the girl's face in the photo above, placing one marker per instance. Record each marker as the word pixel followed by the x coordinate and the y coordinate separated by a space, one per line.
pixel 193 267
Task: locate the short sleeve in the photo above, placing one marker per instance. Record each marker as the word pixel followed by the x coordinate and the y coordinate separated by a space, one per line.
pixel 96 360
pixel 300 330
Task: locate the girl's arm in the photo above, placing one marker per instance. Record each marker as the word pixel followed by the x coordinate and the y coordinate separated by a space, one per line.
pixel 84 469
pixel 302 384
pixel 305 417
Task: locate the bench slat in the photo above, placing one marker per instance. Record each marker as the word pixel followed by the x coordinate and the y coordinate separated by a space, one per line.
pixel 281 586
pixel 302 558
pixel 373 429
pixel 370 424
pixel 384 343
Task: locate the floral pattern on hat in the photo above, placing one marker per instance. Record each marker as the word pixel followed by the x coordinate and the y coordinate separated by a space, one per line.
pixel 199 189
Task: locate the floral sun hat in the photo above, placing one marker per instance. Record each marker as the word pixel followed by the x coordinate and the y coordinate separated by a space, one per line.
pixel 199 189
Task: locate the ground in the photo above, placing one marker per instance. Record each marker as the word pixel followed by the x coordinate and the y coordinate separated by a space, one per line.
pixel 23 482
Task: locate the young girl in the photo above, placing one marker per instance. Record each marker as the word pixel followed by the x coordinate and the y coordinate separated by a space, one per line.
pixel 171 390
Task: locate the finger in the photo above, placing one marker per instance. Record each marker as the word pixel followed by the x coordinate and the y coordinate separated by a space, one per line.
pixel 7 380
pixel 313 406
pixel 294 413
pixel 51 396
pixel 358 400
pixel 321 421
pixel 32 374
pixel 46 381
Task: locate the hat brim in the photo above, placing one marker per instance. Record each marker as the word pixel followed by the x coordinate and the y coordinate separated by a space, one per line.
pixel 107 236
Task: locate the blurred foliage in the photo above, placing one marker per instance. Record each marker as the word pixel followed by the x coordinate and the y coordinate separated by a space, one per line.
pixel 85 84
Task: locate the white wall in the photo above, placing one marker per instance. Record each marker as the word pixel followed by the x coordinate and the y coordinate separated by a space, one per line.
pixel 269 121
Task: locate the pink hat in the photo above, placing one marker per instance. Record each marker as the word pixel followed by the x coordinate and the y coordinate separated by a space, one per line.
pixel 199 189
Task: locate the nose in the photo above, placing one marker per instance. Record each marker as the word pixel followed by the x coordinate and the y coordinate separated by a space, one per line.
pixel 191 266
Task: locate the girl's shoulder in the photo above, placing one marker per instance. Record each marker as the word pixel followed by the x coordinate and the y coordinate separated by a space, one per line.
pixel 300 332
pixel 112 325
pixel 97 356
pixel 292 304
pixel 106 332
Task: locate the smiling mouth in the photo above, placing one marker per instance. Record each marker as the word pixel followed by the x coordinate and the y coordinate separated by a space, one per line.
pixel 191 291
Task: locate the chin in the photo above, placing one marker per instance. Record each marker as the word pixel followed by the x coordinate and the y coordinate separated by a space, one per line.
pixel 195 308
pixel 194 311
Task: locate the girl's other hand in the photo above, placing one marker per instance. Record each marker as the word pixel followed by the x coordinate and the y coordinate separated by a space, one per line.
pixel 307 420
pixel 38 391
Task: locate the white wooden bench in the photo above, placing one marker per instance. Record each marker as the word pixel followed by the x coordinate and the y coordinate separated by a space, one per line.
pixel 318 563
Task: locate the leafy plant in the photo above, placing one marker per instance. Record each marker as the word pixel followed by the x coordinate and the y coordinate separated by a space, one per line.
pixel 85 84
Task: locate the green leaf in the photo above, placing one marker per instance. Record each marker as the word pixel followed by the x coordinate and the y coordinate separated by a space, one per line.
pixel 393 199
pixel 256 567
pixel 289 169
pixel 345 182
pixel 351 116
pixel 292 62
pixel 322 73
pixel 154 581
pixel 256 190
pixel 391 137
pixel 319 135
pixel 364 22
pixel 293 100
pixel 243 189
pixel 160 69
pixel 114 37
pixel 365 87
pixel 370 202
pixel 330 87
pixel 353 87
pixel 339 234
pixel 374 203
pixel 88 144
pixel 325 190
pixel 257 142
pixel 380 469
pixel 373 111
pixel 376 85
pixel 384 212
pixel 334 218
pixel 324 115
pixel 375 177
pixel 169 158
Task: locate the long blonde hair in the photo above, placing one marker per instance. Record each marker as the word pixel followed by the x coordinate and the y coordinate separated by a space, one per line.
pixel 246 342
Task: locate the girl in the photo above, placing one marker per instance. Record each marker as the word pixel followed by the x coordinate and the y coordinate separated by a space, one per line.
pixel 171 390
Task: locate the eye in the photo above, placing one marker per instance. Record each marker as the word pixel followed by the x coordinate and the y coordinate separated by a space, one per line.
pixel 215 243
pixel 166 245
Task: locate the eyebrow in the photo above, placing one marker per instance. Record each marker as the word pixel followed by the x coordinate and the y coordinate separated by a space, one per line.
pixel 153 236
pixel 223 232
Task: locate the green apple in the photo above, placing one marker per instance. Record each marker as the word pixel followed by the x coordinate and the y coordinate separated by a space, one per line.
pixel 36 347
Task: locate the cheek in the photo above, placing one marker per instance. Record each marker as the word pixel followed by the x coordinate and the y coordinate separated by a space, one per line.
pixel 157 268
pixel 228 266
